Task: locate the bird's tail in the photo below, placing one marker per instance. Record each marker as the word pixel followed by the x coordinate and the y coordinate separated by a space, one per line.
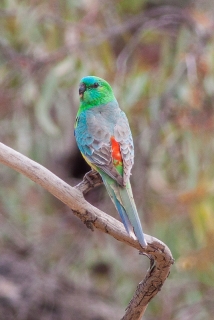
pixel 123 200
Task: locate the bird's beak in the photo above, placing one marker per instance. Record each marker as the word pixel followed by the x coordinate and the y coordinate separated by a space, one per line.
pixel 82 89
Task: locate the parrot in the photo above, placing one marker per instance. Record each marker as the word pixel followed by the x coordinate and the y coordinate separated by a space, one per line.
pixel 105 141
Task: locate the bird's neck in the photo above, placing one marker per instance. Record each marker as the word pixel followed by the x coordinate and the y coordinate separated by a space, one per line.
pixel 86 106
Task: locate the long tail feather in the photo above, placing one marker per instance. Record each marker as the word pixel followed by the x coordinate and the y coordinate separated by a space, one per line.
pixel 124 202
pixel 119 208
pixel 131 211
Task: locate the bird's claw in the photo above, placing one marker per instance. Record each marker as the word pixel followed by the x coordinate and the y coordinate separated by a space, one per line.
pixel 90 177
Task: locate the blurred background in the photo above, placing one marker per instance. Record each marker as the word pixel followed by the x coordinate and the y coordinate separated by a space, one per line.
pixel 159 58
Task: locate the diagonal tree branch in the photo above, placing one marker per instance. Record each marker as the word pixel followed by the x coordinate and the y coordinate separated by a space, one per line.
pixel 159 254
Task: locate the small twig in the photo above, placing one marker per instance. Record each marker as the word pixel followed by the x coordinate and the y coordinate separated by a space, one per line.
pixel 156 250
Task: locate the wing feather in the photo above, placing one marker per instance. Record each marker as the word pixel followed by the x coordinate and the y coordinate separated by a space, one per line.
pixel 93 133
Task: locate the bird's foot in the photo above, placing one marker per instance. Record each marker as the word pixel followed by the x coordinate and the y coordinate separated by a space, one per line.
pixel 89 176
pixel 93 178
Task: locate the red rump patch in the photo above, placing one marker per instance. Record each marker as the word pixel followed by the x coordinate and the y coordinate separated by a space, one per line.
pixel 115 150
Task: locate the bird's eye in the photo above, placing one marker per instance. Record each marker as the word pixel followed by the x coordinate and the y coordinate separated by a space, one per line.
pixel 96 85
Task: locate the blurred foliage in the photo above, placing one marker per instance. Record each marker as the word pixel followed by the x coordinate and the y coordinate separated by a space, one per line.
pixel 159 58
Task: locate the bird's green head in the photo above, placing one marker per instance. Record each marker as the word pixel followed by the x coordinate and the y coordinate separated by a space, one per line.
pixel 95 91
